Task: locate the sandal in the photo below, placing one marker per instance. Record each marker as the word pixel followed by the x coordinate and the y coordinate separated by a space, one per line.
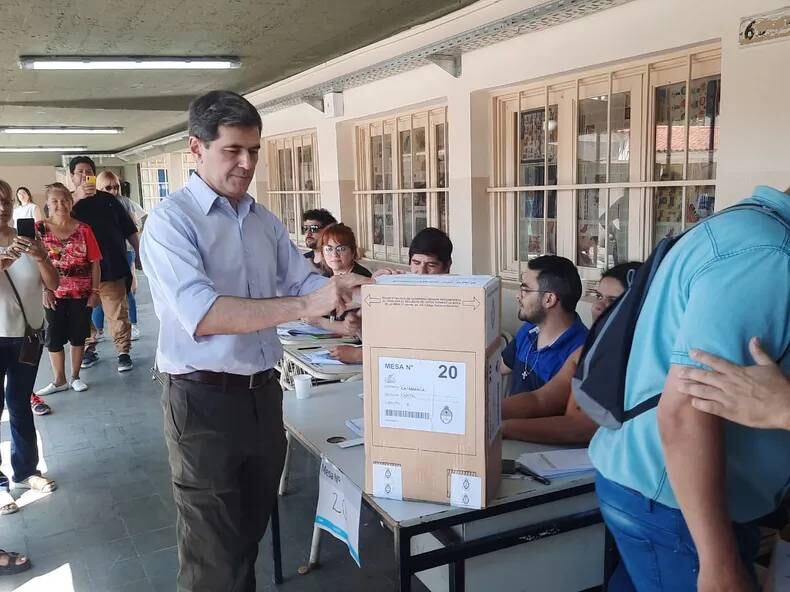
pixel 15 563
pixel 8 504
pixel 37 483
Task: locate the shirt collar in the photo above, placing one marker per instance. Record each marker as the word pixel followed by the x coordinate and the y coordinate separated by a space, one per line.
pixel 778 200
pixel 567 335
pixel 206 196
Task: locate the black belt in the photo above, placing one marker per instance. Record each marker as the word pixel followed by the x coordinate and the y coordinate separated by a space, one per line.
pixel 226 379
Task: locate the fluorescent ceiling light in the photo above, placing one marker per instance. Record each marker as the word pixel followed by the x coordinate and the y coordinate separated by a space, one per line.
pixel 60 130
pixel 127 63
pixel 45 149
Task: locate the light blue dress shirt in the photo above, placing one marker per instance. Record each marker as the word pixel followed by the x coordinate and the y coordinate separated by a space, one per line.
pixel 723 283
pixel 196 248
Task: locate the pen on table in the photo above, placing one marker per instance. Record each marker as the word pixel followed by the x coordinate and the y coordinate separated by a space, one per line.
pixel 524 470
pixel 306 348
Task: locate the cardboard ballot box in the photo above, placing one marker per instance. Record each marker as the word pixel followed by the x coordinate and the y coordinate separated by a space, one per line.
pixel 433 395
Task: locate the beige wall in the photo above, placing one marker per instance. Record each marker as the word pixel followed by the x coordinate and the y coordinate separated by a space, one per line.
pixel 32 177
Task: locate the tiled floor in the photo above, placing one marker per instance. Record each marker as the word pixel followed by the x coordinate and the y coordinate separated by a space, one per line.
pixel 110 525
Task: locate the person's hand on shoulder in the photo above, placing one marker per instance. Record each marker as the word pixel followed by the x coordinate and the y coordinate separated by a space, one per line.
pixel 756 396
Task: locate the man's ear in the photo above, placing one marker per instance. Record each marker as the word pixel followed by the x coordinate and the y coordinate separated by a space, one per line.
pixel 196 147
pixel 550 300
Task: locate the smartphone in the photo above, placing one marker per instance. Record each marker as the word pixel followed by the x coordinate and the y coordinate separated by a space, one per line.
pixel 90 179
pixel 26 227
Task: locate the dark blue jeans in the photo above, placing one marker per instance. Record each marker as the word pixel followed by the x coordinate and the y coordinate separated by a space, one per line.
pixel 655 544
pixel 19 380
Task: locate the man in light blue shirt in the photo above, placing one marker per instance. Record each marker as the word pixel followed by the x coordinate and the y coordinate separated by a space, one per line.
pixel 676 485
pixel 223 273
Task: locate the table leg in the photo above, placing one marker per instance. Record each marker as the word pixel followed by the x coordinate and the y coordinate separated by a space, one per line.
pixel 315 549
pixel 457 573
pixel 403 551
pixel 277 576
pixel 286 465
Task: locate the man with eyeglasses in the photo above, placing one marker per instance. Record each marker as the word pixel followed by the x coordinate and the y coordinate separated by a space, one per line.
pixel 313 222
pixel 552 331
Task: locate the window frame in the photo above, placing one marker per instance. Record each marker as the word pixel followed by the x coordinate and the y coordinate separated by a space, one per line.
pixel 154 166
pixel 640 78
pixel 284 200
pixel 394 187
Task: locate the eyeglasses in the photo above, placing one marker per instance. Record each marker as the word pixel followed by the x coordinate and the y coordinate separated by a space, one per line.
pixel 527 290
pixel 339 249
pixel 311 228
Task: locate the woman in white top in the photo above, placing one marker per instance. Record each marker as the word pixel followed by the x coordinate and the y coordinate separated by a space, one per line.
pixel 25 263
pixel 26 207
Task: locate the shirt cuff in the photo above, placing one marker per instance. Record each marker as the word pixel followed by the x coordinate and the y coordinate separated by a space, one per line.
pixel 192 314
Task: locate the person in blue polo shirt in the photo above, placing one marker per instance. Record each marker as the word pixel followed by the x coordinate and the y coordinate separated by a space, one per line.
pixel 679 487
pixel 552 331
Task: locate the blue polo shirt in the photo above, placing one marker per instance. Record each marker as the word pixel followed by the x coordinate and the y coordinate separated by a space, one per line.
pixel 726 281
pixel 533 367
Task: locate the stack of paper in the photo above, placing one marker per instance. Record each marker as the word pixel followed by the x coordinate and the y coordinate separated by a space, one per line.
pixel 295 328
pixel 357 426
pixel 321 357
pixel 557 463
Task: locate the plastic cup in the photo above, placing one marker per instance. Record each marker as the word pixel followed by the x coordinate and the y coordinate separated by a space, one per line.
pixel 303 385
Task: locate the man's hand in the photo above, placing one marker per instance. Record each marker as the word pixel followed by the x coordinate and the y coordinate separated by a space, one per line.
pixel 94 300
pixel 84 190
pixel 352 324
pixel 388 271
pixel 336 295
pixel 756 396
pixel 348 354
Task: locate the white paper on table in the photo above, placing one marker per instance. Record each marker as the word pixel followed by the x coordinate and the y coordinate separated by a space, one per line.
pixel 321 357
pixel 357 426
pixel 466 491
pixel 425 395
pixel 557 463
pixel 294 328
pixel 387 481
pixel 339 503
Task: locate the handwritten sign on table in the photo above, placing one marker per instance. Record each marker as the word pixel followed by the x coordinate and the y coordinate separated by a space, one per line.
pixel 339 502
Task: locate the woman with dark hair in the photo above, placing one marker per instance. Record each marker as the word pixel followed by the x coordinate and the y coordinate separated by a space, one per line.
pixel 550 414
pixel 26 269
pixel 26 207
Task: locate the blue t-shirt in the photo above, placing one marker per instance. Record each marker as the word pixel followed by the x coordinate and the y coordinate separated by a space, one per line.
pixel 723 283
pixel 533 367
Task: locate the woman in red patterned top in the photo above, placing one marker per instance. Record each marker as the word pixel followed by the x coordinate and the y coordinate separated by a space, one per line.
pixel 74 252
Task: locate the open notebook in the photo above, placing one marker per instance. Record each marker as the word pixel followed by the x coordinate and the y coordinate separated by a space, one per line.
pixel 557 463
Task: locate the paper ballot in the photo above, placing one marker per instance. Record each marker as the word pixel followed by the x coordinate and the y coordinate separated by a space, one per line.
pixel 557 463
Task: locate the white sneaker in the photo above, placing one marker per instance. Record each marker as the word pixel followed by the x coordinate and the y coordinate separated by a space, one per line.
pixel 99 336
pixel 78 385
pixel 52 388
pixel 135 333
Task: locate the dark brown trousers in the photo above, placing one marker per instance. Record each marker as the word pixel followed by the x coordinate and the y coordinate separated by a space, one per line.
pixel 226 448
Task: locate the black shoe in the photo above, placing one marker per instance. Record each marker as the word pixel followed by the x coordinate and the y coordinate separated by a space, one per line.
pixel 124 363
pixel 89 358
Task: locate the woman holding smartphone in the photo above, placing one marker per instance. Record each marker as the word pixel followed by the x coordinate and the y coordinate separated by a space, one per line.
pixel 74 252
pixel 26 207
pixel 24 270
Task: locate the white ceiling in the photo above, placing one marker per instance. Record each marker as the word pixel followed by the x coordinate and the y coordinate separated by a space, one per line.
pixel 275 39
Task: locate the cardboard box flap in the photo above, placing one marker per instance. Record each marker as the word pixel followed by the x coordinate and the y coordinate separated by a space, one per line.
pixel 459 281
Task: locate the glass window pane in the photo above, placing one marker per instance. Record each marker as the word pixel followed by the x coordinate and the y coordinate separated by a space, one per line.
pixel 537 219
pixel 382 220
pixel 620 156
pixel 532 160
pixel 304 155
pixel 591 228
pixel 668 212
pixel 670 132
pixel 704 127
pixel 442 207
pixel 405 160
pixel 308 202
pixel 285 169
pixel 376 163
pixel 617 228
pixel 700 202
pixel 407 218
pixel 592 145
pixel 441 156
